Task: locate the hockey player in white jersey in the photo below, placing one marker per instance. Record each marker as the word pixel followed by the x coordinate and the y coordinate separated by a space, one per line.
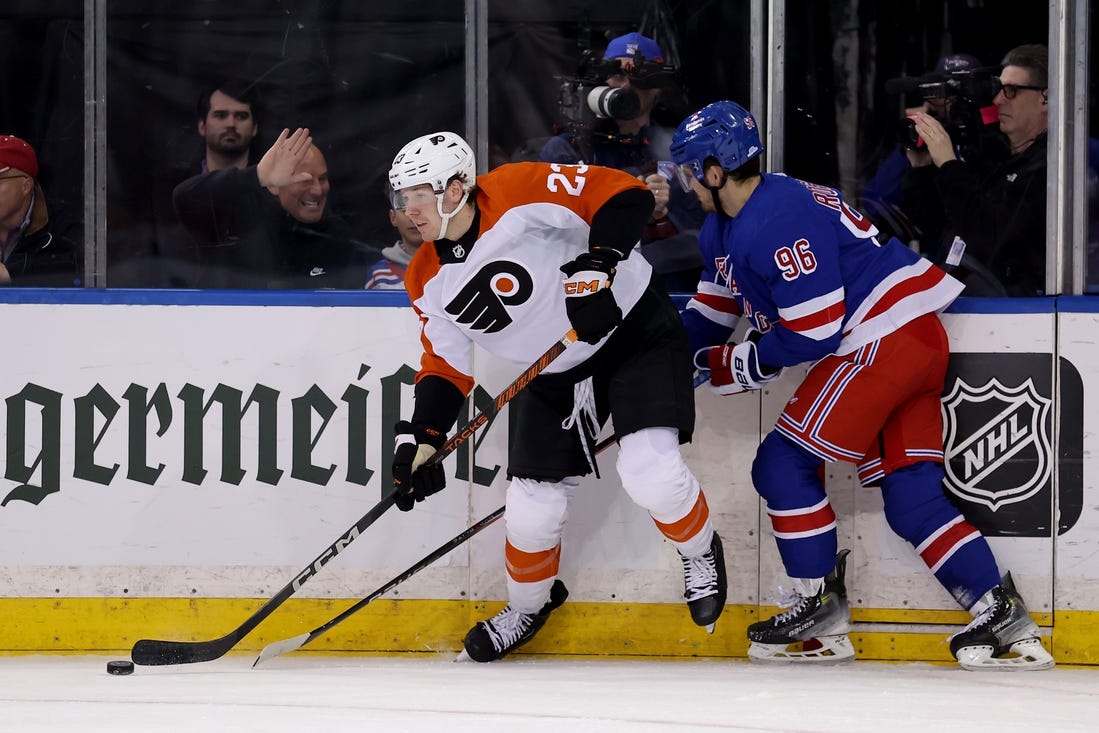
pixel 818 287
pixel 511 261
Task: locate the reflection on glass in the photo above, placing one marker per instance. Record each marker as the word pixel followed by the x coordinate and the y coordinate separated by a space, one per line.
pixel 607 86
pixel 1091 281
pixel 923 132
pixel 41 144
pixel 197 99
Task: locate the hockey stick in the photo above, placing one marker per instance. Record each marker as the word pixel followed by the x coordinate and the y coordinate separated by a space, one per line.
pixel 274 649
pixel 158 652
pixel 277 648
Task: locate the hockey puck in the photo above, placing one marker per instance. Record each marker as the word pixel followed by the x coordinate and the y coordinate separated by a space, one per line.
pixel 120 666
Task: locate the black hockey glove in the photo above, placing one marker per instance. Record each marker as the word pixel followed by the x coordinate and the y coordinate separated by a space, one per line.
pixel 589 302
pixel 415 480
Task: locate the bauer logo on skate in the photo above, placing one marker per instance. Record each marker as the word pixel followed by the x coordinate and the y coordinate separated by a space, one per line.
pixel 998 421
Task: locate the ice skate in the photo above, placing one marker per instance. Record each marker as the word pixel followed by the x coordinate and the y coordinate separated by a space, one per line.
pixel 508 630
pixel 813 629
pixel 1002 636
pixel 705 586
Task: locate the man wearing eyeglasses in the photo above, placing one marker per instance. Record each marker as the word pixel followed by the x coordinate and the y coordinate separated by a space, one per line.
pixel 998 217
pixel 901 197
pixel 30 255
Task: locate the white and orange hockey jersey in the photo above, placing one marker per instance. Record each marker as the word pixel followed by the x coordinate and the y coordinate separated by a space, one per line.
pixel 503 289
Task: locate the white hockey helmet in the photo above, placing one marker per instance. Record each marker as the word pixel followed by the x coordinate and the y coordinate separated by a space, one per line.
pixel 433 159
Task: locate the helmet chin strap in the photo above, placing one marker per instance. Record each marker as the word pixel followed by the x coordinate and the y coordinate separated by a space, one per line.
pixel 714 190
pixel 447 217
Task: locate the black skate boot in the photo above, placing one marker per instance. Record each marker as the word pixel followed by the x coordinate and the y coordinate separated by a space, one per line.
pixel 1002 636
pixel 508 630
pixel 813 629
pixel 705 586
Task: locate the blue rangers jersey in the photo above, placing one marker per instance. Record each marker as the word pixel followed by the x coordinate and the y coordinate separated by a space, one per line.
pixel 809 272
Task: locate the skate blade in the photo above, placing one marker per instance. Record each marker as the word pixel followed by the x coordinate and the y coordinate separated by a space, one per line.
pixel 1028 656
pixel 710 627
pixel 463 657
pixel 823 650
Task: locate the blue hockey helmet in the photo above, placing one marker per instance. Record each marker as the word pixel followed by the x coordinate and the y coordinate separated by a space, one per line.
pixel 723 130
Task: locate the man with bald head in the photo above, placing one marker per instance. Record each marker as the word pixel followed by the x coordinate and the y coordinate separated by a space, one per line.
pixel 305 199
pixel 267 226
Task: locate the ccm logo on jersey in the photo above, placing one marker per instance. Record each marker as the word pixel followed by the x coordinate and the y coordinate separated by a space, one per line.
pixel 584 287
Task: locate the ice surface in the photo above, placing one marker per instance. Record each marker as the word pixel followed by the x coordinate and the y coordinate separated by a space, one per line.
pixel 329 694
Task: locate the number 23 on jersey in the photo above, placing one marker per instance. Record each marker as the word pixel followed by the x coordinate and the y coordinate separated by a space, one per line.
pixel 569 177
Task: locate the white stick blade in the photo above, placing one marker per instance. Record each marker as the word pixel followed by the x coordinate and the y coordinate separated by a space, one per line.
pixel 281 647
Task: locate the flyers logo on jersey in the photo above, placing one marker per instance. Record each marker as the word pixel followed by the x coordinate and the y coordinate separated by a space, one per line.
pixel 482 304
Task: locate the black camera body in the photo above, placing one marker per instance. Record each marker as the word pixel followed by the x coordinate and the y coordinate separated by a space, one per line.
pixel 970 92
pixel 585 97
pixel 964 124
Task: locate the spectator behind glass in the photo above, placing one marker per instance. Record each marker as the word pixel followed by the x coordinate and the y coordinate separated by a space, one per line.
pixel 227 122
pixel 633 143
pixel 388 272
pixel 266 226
pixel 996 218
pixel 1093 216
pixel 901 197
pixel 30 254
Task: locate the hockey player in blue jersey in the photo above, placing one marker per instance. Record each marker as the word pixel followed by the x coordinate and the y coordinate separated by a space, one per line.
pixel 816 286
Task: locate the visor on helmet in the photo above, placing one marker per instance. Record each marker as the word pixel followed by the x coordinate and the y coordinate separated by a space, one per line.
pixel 397 200
pixel 687 172
pixel 417 197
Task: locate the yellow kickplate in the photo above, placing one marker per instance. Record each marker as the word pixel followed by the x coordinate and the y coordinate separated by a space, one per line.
pixel 100 625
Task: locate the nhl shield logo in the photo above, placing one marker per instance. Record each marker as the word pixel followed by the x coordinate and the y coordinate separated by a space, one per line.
pixel 996 442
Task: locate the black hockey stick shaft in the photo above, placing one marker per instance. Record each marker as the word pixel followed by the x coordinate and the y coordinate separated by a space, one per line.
pixel 288 645
pixel 297 642
pixel 155 652
pixel 277 648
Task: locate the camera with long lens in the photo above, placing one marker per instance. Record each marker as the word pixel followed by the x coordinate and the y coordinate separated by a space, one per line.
pixel 970 93
pixel 585 96
pixel 580 102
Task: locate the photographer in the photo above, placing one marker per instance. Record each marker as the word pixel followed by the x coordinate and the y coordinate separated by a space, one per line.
pixel 996 215
pixel 608 110
pixel 901 197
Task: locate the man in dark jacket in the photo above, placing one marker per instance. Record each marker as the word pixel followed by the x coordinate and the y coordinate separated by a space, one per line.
pixel 30 255
pixel 265 226
pixel 998 216
pixel 630 140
